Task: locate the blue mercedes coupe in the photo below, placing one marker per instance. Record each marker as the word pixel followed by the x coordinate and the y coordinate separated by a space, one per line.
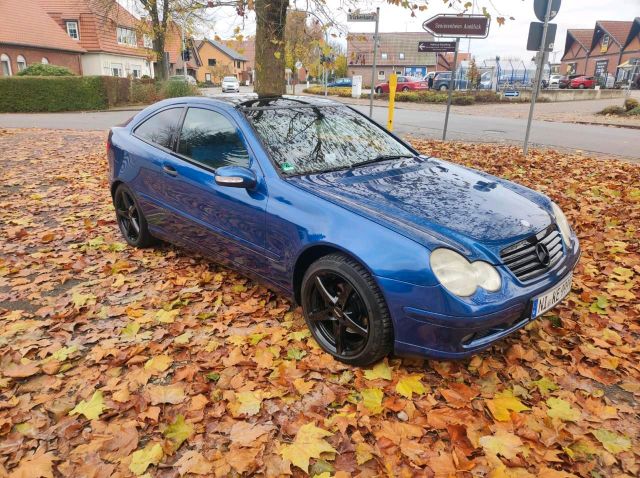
pixel 385 249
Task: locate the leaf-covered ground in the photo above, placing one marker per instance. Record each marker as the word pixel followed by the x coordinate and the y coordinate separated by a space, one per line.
pixel 115 361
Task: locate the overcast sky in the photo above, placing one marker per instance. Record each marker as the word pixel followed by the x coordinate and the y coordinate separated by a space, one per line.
pixel 508 40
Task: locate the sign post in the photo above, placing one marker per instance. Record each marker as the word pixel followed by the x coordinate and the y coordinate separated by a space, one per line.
pixel 542 49
pixel 393 84
pixel 369 17
pixel 456 26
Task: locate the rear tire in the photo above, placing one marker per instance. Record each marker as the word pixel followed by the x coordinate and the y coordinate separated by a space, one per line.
pixel 345 311
pixel 443 88
pixel 405 89
pixel 378 91
pixel 131 221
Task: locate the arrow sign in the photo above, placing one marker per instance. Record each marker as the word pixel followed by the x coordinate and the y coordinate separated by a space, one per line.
pixel 436 46
pixel 461 26
pixel 512 93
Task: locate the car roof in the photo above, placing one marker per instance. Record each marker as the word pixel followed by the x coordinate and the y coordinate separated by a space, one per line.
pixel 250 101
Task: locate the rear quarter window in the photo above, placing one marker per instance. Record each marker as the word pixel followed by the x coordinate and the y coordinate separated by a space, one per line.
pixel 161 128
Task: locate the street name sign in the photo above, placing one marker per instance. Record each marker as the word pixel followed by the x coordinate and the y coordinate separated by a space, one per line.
pixel 436 46
pixel 512 94
pixel 540 8
pixel 460 26
pixel 534 42
pixel 361 17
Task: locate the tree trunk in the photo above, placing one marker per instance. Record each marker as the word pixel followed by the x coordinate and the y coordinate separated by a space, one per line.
pixel 271 17
pixel 158 47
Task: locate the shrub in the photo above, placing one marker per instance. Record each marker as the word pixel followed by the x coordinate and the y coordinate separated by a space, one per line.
pixel 612 110
pixel 634 112
pixel 143 92
pixel 39 69
pixel 630 104
pixel 176 88
pixel 117 90
pixel 463 100
pixel 67 93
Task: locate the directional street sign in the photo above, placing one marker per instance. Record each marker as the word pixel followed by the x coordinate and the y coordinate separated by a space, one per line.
pixel 512 94
pixel 361 17
pixel 460 26
pixel 436 46
pixel 540 8
pixel 534 42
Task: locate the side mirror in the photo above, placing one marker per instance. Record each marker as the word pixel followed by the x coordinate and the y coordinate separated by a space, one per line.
pixel 236 177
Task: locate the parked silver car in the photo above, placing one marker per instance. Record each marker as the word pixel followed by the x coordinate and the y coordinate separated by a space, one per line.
pixel 230 83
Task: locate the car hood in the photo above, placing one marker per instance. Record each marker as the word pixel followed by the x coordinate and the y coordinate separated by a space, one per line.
pixel 431 198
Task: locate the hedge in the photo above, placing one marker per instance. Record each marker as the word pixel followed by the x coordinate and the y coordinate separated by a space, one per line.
pixel 63 93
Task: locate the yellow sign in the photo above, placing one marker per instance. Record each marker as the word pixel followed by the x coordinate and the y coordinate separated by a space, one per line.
pixel 393 84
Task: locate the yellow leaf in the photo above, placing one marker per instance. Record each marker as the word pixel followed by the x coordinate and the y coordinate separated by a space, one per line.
pixel 379 370
pixel 372 399
pixel 561 409
pixel 178 431
pixel 612 441
pixel 149 455
pixel 183 339
pixel 193 462
pixel 130 330
pixel 247 403
pixel 63 353
pixel 167 316
pixel 409 385
pixel 80 300
pixel 91 409
pixel 277 54
pixel 502 443
pixel 503 403
pixel 309 443
pixel 158 364
pixel 303 387
pixel 363 453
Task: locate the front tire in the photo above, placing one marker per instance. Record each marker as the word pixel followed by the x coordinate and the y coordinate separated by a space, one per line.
pixel 443 88
pixel 379 91
pixel 345 311
pixel 131 220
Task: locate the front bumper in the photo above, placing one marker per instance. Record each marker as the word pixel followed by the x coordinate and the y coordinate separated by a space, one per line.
pixel 429 323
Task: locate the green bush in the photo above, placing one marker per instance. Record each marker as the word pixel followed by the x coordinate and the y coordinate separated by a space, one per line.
pixel 634 112
pixel 612 110
pixel 630 104
pixel 176 88
pixel 463 100
pixel 39 69
pixel 117 90
pixel 144 92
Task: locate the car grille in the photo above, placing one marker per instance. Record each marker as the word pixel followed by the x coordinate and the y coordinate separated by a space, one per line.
pixel 534 255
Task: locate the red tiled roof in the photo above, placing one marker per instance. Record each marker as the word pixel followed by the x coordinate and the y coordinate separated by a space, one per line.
pixel 25 23
pixel 582 36
pixel 619 30
pixel 97 21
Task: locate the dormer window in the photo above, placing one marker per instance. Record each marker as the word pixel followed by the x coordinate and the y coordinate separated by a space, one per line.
pixel 72 29
pixel 126 36
pixel 605 41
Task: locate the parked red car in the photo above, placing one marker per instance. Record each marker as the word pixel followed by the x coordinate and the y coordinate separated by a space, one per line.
pixel 583 82
pixel 405 83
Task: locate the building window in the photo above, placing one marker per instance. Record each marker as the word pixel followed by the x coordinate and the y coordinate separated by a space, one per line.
pixel 45 60
pixel 21 62
pixel 211 62
pixel 126 36
pixel 401 55
pixel 116 69
pixel 5 65
pixel 147 41
pixel 601 68
pixel 605 43
pixel 383 56
pixel 136 71
pixel 72 29
pixel 381 75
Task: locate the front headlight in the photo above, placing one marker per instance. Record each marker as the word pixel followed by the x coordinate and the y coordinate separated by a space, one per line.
pixel 461 277
pixel 563 224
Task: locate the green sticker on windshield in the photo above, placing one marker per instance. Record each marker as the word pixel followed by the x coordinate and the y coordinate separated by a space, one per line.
pixel 286 167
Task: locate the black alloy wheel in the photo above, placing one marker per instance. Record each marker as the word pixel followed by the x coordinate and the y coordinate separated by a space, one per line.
pixel 345 311
pixel 131 221
pixel 379 91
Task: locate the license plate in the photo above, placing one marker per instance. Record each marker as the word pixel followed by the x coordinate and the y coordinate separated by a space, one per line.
pixel 549 299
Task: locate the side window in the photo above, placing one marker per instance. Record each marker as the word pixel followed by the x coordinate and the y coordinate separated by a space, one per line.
pixel 160 128
pixel 211 139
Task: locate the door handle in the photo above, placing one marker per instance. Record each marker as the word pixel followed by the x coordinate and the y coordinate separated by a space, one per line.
pixel 170 170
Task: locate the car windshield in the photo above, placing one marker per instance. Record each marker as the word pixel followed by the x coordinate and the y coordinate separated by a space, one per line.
pixel 307 140
pixel 229 78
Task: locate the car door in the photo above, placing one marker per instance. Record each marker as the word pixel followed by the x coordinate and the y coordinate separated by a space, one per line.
pixel 224 221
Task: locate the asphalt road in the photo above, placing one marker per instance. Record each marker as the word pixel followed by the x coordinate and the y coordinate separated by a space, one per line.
pixel 612 141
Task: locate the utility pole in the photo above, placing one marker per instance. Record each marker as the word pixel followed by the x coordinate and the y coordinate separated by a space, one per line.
pixel 452 84
pixel 536 87
pixel 373 67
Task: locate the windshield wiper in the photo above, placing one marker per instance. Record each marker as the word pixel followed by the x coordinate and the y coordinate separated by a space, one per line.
pixel 379 158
